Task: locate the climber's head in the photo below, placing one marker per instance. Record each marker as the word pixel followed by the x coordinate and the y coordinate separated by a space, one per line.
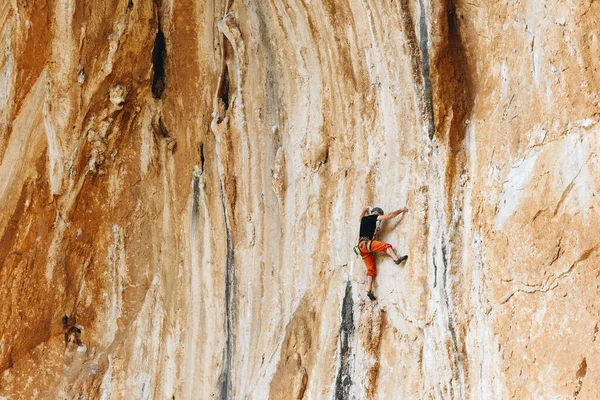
pixel 376 210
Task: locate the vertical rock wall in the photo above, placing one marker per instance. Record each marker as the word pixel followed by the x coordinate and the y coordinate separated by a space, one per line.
pixel 181 184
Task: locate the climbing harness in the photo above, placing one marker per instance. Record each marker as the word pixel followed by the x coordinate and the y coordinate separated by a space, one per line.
pixel 368 246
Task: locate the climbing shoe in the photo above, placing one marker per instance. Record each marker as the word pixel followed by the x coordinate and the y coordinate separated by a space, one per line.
pixel 398 261
pixel 371 296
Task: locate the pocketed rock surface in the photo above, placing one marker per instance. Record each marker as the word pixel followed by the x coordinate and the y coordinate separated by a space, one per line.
pixel 183 181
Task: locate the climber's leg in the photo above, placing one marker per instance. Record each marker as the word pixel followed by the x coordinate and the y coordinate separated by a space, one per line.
pixel 369 261
pixel 370 294
pixel 382 247
pixel 390 252
pixel 379 247
pixel 397 260
pixel 370 264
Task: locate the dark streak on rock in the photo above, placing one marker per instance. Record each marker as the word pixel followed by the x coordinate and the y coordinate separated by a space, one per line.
pixel 454 102
pixel 344 379
pixel 273 107
pixel 579 375
pixel 424 46
pixel 225 377
pixel 582 370
pixel 419 60
pixel 435 268
pixel 413 49
pixel 451 323
pixel 455 94
pixel 195 201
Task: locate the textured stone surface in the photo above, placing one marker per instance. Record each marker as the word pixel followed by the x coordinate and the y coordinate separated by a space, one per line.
pixel 183 181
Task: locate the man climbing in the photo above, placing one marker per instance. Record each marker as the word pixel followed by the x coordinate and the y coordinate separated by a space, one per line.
pixel 367 245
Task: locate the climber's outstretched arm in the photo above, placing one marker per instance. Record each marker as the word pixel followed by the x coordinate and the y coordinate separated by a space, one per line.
pixel 392 214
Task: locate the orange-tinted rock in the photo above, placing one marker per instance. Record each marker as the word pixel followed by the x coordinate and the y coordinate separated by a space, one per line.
pixel 182 181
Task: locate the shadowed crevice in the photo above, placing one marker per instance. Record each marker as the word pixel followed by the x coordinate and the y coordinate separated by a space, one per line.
pixel 224 89
pixel 162 129
pixel 225 383
pixel 343 381
pixel 202 159
pixel 159 55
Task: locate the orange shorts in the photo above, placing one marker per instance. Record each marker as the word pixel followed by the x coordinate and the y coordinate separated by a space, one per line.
pixel 367 248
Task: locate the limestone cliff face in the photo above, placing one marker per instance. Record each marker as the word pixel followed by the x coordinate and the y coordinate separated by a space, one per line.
pixel 181 181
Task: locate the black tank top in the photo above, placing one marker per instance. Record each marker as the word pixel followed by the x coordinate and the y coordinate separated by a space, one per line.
pixel 367 226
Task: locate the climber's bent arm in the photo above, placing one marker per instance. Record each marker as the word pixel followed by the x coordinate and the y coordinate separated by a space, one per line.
pixel 364 213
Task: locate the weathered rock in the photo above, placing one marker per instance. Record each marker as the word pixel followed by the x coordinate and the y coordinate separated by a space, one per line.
pixel 183 180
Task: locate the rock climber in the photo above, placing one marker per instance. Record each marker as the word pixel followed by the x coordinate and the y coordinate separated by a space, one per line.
pixel 367 245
